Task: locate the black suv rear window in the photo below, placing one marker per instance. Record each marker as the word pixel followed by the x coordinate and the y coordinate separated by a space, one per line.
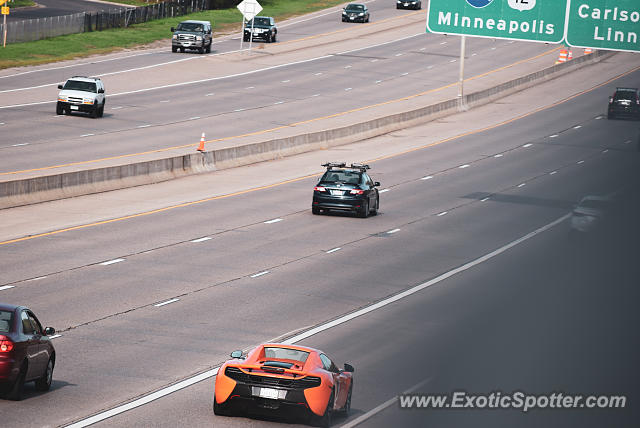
pixel 625 95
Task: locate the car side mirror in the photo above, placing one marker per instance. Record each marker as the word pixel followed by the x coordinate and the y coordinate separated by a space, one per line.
pixel 376 184
pixel 236 354
pixel 60 86
pixel 349 368
pixel 101 91
pixel 49 331
pixel 173 29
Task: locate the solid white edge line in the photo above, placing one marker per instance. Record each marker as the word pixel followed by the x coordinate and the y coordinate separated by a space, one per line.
pixel 382 406
pixel 157 305
pixel 110 262
pixel 7 287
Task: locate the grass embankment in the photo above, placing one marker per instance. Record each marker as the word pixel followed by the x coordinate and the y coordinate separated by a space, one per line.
pixel 19 3
pixel 100 42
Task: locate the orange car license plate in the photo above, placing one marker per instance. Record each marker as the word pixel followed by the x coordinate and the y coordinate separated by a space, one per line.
pixel 269 393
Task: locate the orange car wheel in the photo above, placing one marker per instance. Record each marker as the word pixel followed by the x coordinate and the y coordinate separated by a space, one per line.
pixel 324 421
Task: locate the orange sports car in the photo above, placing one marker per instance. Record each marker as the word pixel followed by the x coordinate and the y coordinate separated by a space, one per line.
pixel 279 376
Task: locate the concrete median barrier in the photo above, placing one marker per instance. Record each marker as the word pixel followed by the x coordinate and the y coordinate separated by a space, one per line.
pixel 31 190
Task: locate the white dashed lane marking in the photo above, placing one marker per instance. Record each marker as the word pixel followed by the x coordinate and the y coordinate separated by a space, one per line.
pixel 580 161
pixel 55 336
pixel 333 250
pixel 275 220
pixel 553 172
pixel 428 177
pixel 206 238
pixel 19 144
pixel 157 305
pixel 498 155
pixel 522 184
pixel 255 275
pixel 464 166
pixel 393 231
pixel 110 262
pixel 383 190
pixel 87 135
pixel 527 145
pixel 443 213
pixel 6 287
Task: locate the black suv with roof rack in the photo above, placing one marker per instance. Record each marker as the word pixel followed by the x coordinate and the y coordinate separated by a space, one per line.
pixel 624 102
pixel 346 188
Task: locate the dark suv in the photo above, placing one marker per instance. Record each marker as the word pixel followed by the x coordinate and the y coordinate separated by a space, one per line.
pixel 624 102
pixel 264 27
pixel 194 35
pixel 26 352
pixel 346 188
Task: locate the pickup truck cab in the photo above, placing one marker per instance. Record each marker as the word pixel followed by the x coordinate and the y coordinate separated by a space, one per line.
pixel 193 35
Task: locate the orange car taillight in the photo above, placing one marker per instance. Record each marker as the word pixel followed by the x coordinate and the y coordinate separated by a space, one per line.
pixel 357 192
pixel 319 189
pixel 6 345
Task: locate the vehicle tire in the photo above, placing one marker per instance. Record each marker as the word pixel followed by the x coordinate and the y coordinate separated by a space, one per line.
pixel 181 50
pixel 610 115
pixel 375 209
pixel 208 50
pixel 101 110
pixel 44 383
pixel 273 39
pixel 364 213
pixel 315 210
pixel 324 421
pixel 367 19
pixel 59 109
pixel 15 393
pixel 268 38
pixel 174 49
pixel 347 404
pixel 397 7
pixel 201 50
pixel 220 409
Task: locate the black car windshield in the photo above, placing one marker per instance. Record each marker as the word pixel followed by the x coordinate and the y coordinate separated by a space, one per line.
pixel 355 7
pixel 285 354
pixel 80 85
pixel 342 176
pixel 5 321
pixel 190 26
pixel 258 20
pixel 624 95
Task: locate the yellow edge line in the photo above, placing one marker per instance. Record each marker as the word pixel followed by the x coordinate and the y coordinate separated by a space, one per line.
pixel 293 180
pixel 265 131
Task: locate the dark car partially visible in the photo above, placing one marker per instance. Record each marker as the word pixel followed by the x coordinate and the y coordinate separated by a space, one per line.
pixel 26 352
pixel 264 27
pixel 625 102
pixel 346 188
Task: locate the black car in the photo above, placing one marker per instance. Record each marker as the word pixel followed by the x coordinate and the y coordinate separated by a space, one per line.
pixel 624 102
pixel 26 352
pixel 346 188
pixel 264 27
pixel 409 4
pixel 355 12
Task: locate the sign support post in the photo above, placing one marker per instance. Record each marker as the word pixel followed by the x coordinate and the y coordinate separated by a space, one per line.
pixel 461 103
pixel 249 9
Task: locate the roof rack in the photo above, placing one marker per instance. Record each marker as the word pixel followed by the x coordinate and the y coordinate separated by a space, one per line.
pixel 330 165
pixel 362 167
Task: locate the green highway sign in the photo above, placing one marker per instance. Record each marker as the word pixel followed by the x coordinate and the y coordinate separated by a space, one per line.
pixel 604 24
pixel 533 20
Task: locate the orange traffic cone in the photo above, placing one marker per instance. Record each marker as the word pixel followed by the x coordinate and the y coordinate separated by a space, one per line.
pixel 563 56
pixel 588 51
pixel 201 146
pixel 570 57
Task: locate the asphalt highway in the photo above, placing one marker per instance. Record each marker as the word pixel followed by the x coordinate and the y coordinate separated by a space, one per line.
pixel 320 67
pixel 542 313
